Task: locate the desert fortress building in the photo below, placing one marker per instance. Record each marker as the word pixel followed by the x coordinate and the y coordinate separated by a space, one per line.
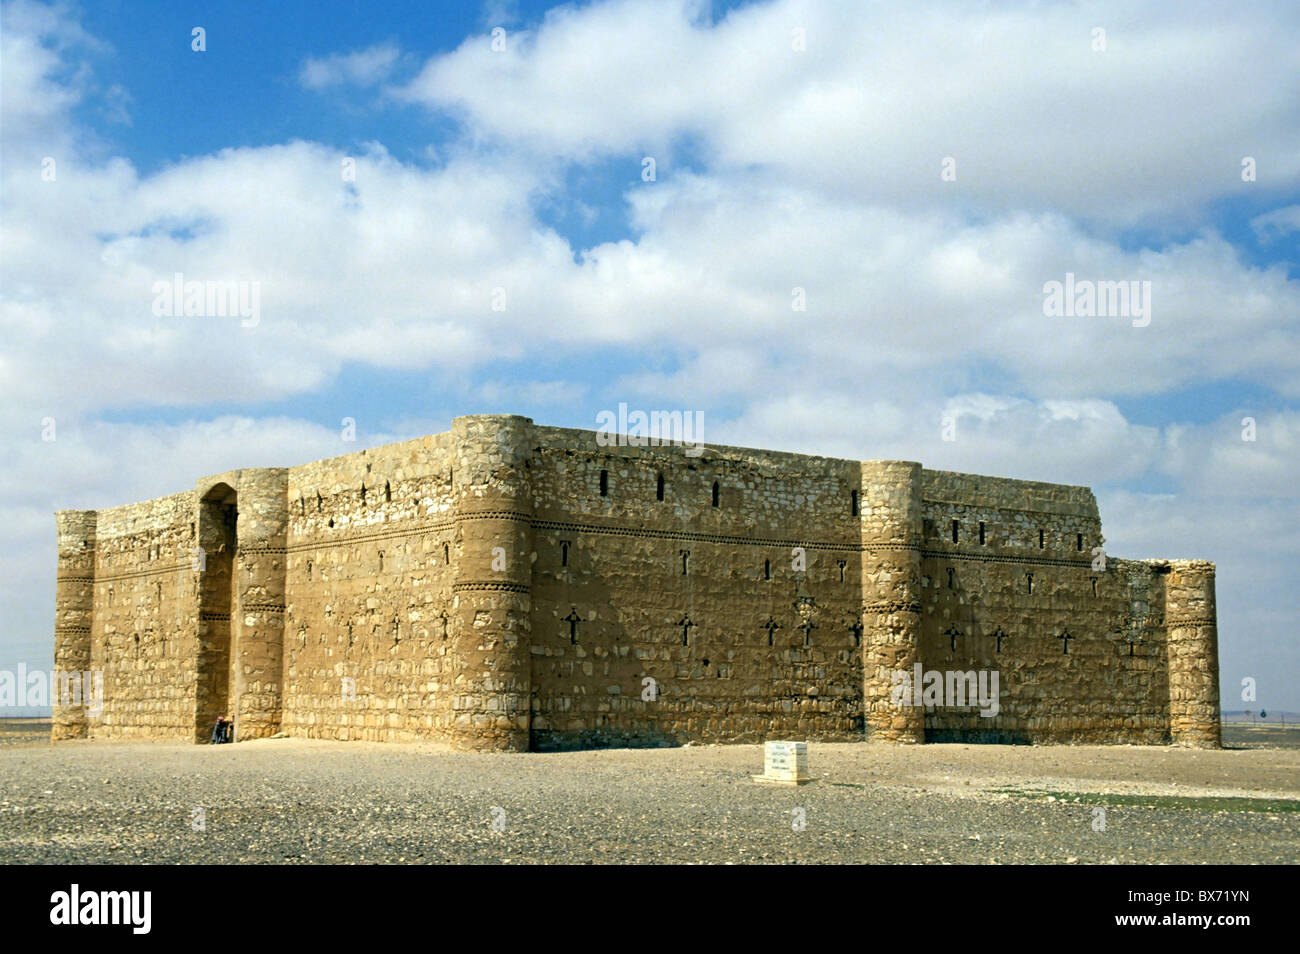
pixel 508 586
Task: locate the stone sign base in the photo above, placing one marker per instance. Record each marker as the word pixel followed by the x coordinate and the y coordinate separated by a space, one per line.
pixel 785 763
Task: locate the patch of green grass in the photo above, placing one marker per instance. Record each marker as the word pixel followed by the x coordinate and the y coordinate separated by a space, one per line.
pixel 1209 803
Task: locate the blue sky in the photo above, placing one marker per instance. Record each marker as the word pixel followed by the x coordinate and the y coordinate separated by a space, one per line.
pixel 796 145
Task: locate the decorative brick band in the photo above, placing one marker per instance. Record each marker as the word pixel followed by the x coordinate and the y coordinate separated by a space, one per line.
pixel 139 539
pixel 136 574
pixel 262 608
pixel 727 539
pixel 215 617
pixel 61 578
pixel 1176 621
pixel 70 628
pixel 1003 558
pixel 258 548
pixel 345 539
pixel 1041 505
pixel 492 585
pixel 688 535
pixel 892 606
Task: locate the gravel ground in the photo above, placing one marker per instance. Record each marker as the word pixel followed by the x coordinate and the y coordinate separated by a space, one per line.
pixel 301 801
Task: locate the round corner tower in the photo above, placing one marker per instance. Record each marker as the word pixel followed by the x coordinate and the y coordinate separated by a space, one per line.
pixel 891 597
pixel 74 607
pixel 491 620
pixel 258 649
pixel 1193 641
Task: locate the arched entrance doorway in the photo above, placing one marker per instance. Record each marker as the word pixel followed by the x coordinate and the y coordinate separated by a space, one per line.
pixel 215 561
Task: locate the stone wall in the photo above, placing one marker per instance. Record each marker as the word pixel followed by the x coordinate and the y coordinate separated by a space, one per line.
pixel 1036 604
pixel 507 586
pixel 370 563
pixel 143 634
pixel 704 600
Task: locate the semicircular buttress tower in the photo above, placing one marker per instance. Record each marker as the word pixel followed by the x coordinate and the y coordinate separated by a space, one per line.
pixel 490 624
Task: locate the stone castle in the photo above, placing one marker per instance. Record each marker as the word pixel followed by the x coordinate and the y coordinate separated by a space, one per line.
pixel 506 586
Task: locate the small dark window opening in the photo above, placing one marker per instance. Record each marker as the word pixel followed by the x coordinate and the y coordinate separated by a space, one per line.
pixel 842 565
pixel 853 502
pixel 564 553
pixel 309 569
pixel 1029 582
pixel 388 493
pixel 446 554
pixel 981 533
pixel 686 555
pixel 1042 539
pixel 302 505
pixel 955 528
pixel 319 502
pixel 715 493
pixel 951 571
pixel 767 569
pixel 1094 586
pixel 363 493
pixel 381 561
pixel 1078 542
pixel 659 489
pixel 604 483
pixel 331 523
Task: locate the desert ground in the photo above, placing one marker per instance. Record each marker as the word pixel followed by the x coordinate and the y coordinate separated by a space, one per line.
pixel 287 801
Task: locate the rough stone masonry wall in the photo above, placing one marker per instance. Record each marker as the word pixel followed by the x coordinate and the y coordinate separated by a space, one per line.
pixel 368 606
pixel 142 637
pixel 703 600
pixel 1008 603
